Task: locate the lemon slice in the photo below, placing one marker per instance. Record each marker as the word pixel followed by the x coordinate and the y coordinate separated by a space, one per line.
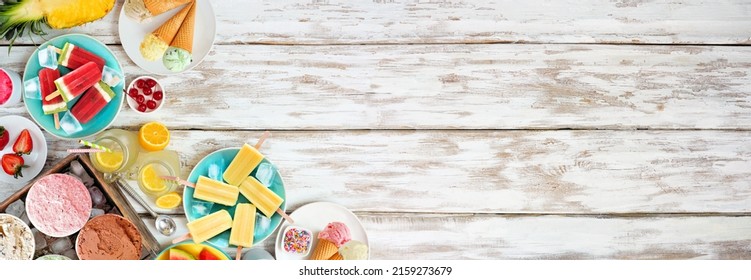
pixel 150 180
pixel 110 161
pixel 169 201
pixel 153 136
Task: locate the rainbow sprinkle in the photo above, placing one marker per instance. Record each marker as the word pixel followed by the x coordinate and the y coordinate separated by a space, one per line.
pixel 297 240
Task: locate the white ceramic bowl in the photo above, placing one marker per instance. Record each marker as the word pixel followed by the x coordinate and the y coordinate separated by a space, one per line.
pixel 133 104
pixel 17 91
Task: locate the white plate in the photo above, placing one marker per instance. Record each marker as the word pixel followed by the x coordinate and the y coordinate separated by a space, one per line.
pixel 315 216
pixel 133 32
pixel 35 160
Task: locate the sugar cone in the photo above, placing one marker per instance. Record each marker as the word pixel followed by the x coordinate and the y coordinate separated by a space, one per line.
pixel 184 37
pixel 168 30
pixel 157 7
pixel 336 257
pixel 324 250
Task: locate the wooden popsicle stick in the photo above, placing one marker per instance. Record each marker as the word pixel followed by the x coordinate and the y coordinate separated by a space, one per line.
pixel 182 238
pixel 57 121
pixel 239 253
pixel 285 216
pixel 53 95
pixel 265 135
pixel 178 180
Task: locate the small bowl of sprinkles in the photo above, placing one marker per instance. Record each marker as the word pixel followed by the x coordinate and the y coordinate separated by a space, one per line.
pixel 297 240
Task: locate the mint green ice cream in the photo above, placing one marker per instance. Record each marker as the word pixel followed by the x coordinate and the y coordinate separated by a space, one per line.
pixel 177 59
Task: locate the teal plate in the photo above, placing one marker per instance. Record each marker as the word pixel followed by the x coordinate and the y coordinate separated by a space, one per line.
pixel 102 120
pixel 264 226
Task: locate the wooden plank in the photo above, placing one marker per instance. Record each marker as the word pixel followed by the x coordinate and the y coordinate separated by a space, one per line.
pixel 454 86
pixel 499 171
pixel 455 21
pixel 556 237
pixel 492 237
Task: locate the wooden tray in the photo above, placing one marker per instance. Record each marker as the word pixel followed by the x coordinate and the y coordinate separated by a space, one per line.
pixel 113 194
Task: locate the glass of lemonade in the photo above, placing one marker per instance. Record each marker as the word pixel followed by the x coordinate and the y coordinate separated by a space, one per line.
pixel 125 150
pixel 151 166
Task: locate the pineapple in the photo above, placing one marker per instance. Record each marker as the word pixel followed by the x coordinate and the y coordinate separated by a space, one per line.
pixel 29 15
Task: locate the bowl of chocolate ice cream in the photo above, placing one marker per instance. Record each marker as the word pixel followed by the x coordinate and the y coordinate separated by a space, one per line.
pixel 109 237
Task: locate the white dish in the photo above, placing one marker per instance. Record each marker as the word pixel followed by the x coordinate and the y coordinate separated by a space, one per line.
pixel 315 216
pixel 35 160
pixel 133 32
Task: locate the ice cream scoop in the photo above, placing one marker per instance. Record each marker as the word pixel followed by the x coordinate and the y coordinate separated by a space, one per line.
pixel 354 250
pixel 337 233
pixel 330 239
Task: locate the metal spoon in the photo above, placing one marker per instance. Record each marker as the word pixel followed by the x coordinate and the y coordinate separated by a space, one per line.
pixel 164 224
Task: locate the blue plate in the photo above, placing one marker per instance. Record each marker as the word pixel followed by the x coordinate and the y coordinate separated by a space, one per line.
pixel 102 120
pixel 264 226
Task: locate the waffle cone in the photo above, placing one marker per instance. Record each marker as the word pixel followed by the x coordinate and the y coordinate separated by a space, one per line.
pixel 336 257
pixel 324 250
pixel 157 7
pixel 167 31
pixel 184 37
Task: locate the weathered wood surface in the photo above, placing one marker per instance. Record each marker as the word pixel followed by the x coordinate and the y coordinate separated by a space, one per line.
pixel 462 21
pixel 448 148
pixel 491 237
pixel 454 86
pixel 556 237
pixel 499 172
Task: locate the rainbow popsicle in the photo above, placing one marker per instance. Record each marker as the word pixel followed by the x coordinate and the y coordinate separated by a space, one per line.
pixel 262 197
pixel 93 101
pixel 243 226
pixel 47 79
pixel 209 226
pixel 77 82
pixel 244 162
pixel 74 57
pixel 215 191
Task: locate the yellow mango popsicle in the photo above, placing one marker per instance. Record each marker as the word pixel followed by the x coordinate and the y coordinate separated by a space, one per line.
pixel 243 226
pixel 215 191
pixel 262 197
pixel 246 160
pixel 209 226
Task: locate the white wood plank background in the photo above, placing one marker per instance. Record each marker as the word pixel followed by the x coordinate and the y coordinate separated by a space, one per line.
pixel 455 86
pixel 463 21
pixel 499 172
pixel 408 113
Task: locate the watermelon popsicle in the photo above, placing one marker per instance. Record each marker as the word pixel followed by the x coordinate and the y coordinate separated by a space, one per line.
pixel 47 86
pixel 88 106
pixel 74 57
pixel 77 82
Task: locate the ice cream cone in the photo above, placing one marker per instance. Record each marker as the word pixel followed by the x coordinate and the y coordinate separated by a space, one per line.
pixel 324 250
pixel 336 257
pixel 157 7
pixel 184 37
pixel 167 31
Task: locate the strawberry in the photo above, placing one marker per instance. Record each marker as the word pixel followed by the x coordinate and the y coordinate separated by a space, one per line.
pixel 4 138
pixel 24 144
pixel 13 164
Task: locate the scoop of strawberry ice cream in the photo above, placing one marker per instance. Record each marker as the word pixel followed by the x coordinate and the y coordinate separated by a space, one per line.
pixel 337 233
